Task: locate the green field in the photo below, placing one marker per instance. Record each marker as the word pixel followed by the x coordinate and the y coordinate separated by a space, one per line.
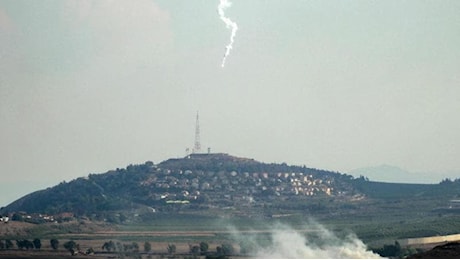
pixel 388 213
pixel 375 222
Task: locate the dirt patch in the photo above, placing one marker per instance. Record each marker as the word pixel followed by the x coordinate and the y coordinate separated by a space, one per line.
pixel 15 229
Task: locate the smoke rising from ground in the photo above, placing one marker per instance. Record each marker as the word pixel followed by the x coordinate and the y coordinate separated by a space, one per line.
pixel 314 241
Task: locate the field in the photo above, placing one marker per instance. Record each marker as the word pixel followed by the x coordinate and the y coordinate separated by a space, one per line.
pixel 376 222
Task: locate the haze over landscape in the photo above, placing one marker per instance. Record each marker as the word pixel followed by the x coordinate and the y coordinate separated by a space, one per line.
pixel 87 86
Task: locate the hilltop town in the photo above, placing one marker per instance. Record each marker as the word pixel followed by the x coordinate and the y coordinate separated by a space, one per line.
pixel 201 189
pixel 197 181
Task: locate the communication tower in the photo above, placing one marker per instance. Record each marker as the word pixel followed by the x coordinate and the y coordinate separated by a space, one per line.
pixel 197 147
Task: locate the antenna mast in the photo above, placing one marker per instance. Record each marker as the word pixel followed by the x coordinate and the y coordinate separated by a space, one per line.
pixel 197 147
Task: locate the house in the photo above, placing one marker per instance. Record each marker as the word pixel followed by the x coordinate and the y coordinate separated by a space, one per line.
pixel 66 215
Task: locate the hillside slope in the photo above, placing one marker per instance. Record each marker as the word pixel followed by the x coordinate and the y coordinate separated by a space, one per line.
pixel 207 181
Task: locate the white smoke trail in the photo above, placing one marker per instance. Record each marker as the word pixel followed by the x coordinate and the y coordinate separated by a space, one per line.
pixel 229 23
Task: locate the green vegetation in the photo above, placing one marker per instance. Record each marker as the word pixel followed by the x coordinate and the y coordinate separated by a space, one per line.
pixel 24 244
pixel 37 243
pixel 54 243
pixel 147 247
pixel 395 251
pixel 109 246
pixel 171 249
pixel 216 181
pixel 71 246
pixel 204 247
pixel 8 244
pixel 226 193
pixel 201 181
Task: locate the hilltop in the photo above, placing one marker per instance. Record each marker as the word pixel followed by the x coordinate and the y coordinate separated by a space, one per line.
pixel 199 180
pixel 203 191
pixel 203 183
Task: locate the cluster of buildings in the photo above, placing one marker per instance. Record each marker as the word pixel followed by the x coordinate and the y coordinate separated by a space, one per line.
pixel 183 186
pixel 37 217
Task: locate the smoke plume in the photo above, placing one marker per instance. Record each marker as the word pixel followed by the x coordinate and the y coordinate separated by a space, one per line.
pixel 224 4
pixel 314 241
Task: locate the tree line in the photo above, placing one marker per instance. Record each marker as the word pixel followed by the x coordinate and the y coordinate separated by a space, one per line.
pixel 121 249
pixel 27 244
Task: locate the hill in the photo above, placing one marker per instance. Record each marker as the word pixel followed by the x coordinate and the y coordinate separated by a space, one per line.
pixel 200 180
pixel 204 182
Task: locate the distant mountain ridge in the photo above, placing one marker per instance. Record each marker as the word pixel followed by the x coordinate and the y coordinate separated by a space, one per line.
pixel 390 173
pixel 386 173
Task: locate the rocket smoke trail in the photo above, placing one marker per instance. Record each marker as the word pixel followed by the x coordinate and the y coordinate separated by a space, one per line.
pixel 229 23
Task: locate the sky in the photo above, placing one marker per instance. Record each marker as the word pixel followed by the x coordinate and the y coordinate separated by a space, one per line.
pixel 87 86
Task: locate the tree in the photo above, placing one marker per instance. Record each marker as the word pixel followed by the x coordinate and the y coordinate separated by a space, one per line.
pixel 109 246
pixel 37 243
pixel 149 163
pixel 228 249
pixel 21 244
pixel 90 251
pixel 194 250
pixel 122 217
pixel 71 246
pixel 147 247
pixel 225 250
pixel 171 249
pixel 204 247
pixel 390 250
pixel 17 217
pixel 8 244
pixel 119 246
pixel 54 243
pixel 446 181
pixel 28 244
pixel 135 247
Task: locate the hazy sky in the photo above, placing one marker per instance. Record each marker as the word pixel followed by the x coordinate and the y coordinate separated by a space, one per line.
pixel 91 85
